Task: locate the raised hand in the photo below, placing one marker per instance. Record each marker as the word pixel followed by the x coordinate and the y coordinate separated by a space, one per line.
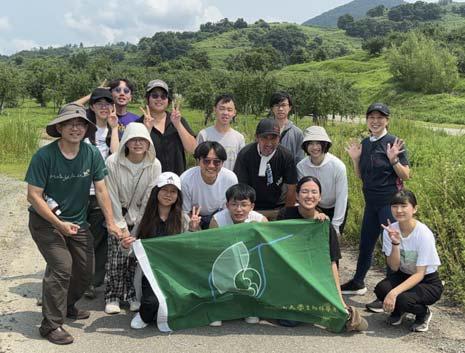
pixel 148 120
pixel 112 117
pixel 175 116
pixel 194 223
pixel 354 149
pixel 393 151
pixel 393 233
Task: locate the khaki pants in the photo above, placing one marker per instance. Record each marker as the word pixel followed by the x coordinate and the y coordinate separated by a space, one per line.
pixel 70 262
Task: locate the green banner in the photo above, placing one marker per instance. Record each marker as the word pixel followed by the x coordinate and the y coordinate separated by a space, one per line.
pixel 278 270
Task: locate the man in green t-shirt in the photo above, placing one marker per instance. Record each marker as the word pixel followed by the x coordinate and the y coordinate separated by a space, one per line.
pixel 59 178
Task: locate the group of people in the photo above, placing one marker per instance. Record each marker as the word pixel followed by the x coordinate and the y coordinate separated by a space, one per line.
pixel 112 177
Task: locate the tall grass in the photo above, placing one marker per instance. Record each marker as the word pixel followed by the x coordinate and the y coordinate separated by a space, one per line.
pixel 19 139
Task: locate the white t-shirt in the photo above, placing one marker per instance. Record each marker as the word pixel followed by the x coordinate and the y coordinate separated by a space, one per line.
pixel 416 249
pixel 100 143
pixel 232 141
pixel 223 218
pixel 195 192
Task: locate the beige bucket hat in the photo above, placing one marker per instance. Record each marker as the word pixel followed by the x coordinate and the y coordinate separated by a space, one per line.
pixel 67 112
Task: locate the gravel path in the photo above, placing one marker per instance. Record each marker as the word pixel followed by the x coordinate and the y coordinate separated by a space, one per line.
pixel 21 269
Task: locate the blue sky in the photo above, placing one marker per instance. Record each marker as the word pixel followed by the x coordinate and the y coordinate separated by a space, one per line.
pixel 27 24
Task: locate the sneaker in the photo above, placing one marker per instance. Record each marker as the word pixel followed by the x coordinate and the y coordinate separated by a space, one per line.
pixel 353 288
pixel 112 307
pixel 395 319
pixel 58 336
pixel 355 322
pixel 376 306
pixel 287 323
pixel 252 320
pixel 216 323
pixel 421 323
pixel 137 323
pixel 134 306
pixel 90 292
pixel 77 314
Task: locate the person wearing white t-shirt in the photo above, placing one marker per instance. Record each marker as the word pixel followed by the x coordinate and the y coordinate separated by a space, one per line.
pixel 410 250
pixel 331 172
pixel 205 185
pixel 222 132
pixel 240 201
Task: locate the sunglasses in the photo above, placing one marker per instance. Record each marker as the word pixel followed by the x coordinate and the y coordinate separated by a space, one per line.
pixel 156 95
pixel 121 89
pixel 207 161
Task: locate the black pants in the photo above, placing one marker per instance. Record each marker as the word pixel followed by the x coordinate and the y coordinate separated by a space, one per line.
pixel 415 300
pixel 148 303
pixel 330 213
pixel 99 234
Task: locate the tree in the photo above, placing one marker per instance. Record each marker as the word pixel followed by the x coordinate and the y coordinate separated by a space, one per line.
pixel 10 85
pixel 421 64
pixel 256 59
pixel 240 23
pixel 374 46
pixel 376 11
pixel 345 21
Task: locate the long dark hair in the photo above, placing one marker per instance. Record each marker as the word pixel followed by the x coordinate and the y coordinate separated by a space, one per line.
pixel 151 218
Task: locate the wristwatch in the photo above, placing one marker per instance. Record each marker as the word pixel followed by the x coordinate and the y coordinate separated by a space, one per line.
pixel 395 161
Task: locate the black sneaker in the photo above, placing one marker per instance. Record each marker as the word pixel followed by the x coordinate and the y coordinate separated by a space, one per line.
pixel 375 306
pixel 288 323
pixel 421 323
pixel 353 288
pixel 395 319
pixel 90 292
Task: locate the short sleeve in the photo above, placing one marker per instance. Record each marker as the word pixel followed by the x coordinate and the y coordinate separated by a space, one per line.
pixel 427 253
pixel 201 137
pixel 98 165
pixel 387 246
pixel 37 172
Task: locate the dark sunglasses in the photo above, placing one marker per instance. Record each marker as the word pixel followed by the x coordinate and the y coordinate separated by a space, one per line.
pixel 156 95
pixel 121 89
pixel 216 162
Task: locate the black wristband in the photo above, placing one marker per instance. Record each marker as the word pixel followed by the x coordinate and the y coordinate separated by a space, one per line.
pixel 395 243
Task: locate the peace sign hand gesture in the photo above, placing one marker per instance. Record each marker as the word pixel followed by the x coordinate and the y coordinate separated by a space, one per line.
pixel 194 223
pixel 112 117
pixel 175 115
pixel 148 120
pixel 393 233
pixel 393 151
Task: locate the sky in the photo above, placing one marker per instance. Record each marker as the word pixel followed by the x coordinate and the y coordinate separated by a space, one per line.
pixel 25 24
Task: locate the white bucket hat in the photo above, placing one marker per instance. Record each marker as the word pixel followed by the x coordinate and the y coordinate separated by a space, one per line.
pixel 315 133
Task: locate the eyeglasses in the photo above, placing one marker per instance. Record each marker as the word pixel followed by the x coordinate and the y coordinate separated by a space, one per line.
pixel 102 105
pixel 237 205
pixel 121 89
pixel 135 140
pixel 76 124
pixel 207 161
pixel 155 95
pixel 280 106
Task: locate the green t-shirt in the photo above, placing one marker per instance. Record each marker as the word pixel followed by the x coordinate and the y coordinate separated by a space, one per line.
pixel 67 181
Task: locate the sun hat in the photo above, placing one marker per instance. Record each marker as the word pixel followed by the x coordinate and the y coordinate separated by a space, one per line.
pixel 67 112
pixel 169 178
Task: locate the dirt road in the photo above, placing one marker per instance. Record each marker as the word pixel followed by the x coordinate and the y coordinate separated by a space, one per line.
pixel 21 269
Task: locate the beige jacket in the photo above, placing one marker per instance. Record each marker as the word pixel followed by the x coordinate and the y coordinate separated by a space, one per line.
pixel 122 179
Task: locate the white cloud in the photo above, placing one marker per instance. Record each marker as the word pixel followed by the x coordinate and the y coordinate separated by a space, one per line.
pixel 121 20
pixel 4 23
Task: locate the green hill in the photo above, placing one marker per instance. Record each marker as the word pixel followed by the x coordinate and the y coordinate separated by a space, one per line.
pixel 356 8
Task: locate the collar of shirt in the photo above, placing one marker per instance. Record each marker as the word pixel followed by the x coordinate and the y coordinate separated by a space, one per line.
pixel 374 138
pixel 263 161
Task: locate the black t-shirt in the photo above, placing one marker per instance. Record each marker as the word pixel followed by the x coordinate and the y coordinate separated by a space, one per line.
pixel 283 169
pixel 293 213
pixel 168 146
pixel 380 180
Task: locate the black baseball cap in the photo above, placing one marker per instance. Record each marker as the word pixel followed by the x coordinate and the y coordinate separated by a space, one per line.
pixel 380 107
pixel 268 126
pixel 100 93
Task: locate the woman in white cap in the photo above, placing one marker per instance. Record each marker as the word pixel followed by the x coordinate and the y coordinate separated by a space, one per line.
pixel 163 216
pixel 331 172
pixel 131 172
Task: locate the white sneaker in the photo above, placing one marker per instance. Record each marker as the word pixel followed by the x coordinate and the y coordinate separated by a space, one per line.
pixel 137 323
pixel 216 323
pixel 252 320
pixel 134 306
pixel 112 307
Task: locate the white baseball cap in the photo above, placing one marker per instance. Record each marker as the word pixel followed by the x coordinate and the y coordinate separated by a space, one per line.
pixel 167 178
